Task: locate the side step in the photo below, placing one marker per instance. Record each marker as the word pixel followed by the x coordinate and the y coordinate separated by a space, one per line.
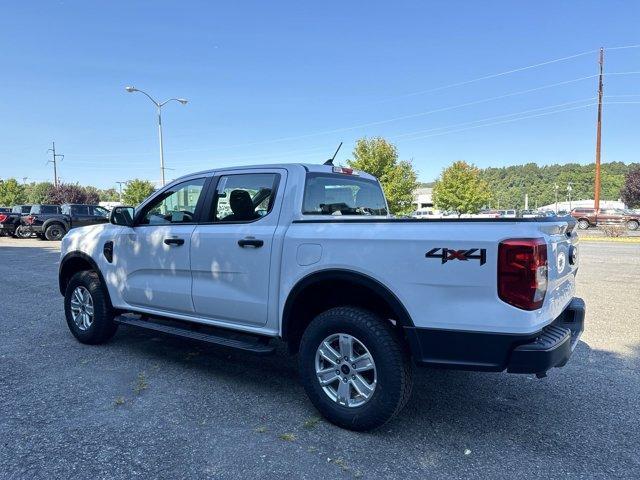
pixel 250 344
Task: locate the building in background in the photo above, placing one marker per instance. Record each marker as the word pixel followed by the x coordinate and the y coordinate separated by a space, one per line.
pixel 423 199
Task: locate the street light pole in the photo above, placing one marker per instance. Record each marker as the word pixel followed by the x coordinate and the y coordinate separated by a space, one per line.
pixel 159 106
pixel 555 187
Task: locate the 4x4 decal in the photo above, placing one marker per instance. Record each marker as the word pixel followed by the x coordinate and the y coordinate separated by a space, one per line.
pixel 446 254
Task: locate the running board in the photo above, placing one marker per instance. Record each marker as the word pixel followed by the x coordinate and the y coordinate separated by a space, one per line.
pixel 253 346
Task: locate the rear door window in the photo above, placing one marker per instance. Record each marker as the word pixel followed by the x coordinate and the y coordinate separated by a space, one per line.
pixel 335 194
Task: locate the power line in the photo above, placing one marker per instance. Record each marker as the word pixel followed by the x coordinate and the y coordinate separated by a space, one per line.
pixel 503 122
pixel 495 117
pixel 493 75
pixel 403 117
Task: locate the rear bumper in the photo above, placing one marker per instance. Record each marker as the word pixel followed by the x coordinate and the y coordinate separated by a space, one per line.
pixel 532 353
pixel 7 228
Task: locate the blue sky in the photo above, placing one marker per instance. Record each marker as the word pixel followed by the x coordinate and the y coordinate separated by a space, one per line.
pixel 287 81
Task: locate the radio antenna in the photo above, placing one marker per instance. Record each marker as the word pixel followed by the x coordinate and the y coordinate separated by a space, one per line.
pixel 330 161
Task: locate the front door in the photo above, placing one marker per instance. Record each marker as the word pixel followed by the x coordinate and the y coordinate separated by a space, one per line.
pixel 155 253
pixel 231 250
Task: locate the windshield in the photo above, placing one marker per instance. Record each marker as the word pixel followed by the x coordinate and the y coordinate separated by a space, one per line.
pixel 336 194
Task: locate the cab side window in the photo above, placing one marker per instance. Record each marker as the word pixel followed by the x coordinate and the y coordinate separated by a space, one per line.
pixel 244 197
pixel 174 205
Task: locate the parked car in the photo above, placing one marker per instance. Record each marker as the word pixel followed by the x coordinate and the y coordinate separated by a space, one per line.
pixel 488 214
pixel 10 222
pixel 239 257
pixel 588 217
pixel 508 213
pixel 5 209
pixel 52 222
pixel 425 214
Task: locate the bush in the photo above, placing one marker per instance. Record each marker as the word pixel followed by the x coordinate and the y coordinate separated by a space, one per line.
pixel 614 230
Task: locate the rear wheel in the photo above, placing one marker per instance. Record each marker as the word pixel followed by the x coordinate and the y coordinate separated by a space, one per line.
pixel 54 231
pixel 583 224
pixel 633 224
pixel 355 368
pixel 22 232
pixel 88 309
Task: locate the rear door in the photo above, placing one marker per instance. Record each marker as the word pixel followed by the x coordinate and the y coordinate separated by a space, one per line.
pixel 80 216
pixel 231 248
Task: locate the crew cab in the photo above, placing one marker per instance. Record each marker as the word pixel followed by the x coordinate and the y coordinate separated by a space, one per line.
pixel 10 222
pixel 52 222
pixel 309 255
pixel 590 217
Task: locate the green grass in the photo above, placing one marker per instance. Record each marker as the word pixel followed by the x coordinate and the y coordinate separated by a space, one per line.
pixel 141 384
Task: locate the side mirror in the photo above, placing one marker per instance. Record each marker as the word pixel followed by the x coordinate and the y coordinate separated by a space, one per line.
pixel 122 216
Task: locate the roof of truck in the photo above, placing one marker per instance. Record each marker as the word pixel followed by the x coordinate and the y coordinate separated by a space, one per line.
pixel 310 167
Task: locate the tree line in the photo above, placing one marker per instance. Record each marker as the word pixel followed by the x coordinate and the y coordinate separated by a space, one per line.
pixel 14 193
pixel 461 187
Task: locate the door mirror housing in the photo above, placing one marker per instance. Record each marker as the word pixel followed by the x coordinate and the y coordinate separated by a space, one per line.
pixel 122 216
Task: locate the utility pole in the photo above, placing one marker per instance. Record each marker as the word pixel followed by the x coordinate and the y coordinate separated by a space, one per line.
pixel 120 186
pixel 555 187
pixel 54 159
pixel 596 202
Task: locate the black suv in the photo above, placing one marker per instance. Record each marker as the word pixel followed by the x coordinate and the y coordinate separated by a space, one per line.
pixel 54 221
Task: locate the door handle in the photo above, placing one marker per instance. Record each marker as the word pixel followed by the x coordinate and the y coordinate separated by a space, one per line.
pixel 250 242
pixel 174 241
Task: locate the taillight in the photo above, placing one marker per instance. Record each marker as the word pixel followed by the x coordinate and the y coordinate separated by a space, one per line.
pixel 30 219
pixel 522 272
pixel 3 217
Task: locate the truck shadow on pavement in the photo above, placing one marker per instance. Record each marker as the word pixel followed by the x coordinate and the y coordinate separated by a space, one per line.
pixel 456 404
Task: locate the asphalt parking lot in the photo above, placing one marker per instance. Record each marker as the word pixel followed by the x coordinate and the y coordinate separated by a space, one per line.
pixel 151 406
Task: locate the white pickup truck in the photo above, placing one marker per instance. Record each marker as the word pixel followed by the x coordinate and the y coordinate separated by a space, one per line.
pixel 308 254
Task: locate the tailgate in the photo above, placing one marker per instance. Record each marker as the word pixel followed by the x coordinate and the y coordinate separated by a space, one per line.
pixel 562 257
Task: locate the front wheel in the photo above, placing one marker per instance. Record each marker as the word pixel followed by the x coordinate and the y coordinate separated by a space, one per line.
pixel 633 224
pixel 88 309
pixel 355 368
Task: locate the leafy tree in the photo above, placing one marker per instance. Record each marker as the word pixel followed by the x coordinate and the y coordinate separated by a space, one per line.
pixel 136 191
pixel 38 192
pixel 398 178
pixel 109 195
pixel 71 193
pixel 631 190
pixel 461 189
pixel 11 192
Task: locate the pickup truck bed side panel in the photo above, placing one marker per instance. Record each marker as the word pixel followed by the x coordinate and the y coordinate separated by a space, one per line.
pixel 455 295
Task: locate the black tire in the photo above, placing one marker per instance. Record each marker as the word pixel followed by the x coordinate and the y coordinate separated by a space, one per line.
pixel 633 224
pixel 583 224
pixel 102 327
pixel 394 369
pixel 55 231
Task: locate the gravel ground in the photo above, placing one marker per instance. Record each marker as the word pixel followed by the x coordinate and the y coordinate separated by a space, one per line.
pixel 157 407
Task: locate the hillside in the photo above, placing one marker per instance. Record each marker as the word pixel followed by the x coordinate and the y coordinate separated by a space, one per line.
pixel 509 184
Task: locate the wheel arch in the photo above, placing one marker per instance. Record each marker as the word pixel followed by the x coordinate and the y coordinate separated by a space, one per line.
pixel 53 221
pixel 72 263
pixel 310 296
